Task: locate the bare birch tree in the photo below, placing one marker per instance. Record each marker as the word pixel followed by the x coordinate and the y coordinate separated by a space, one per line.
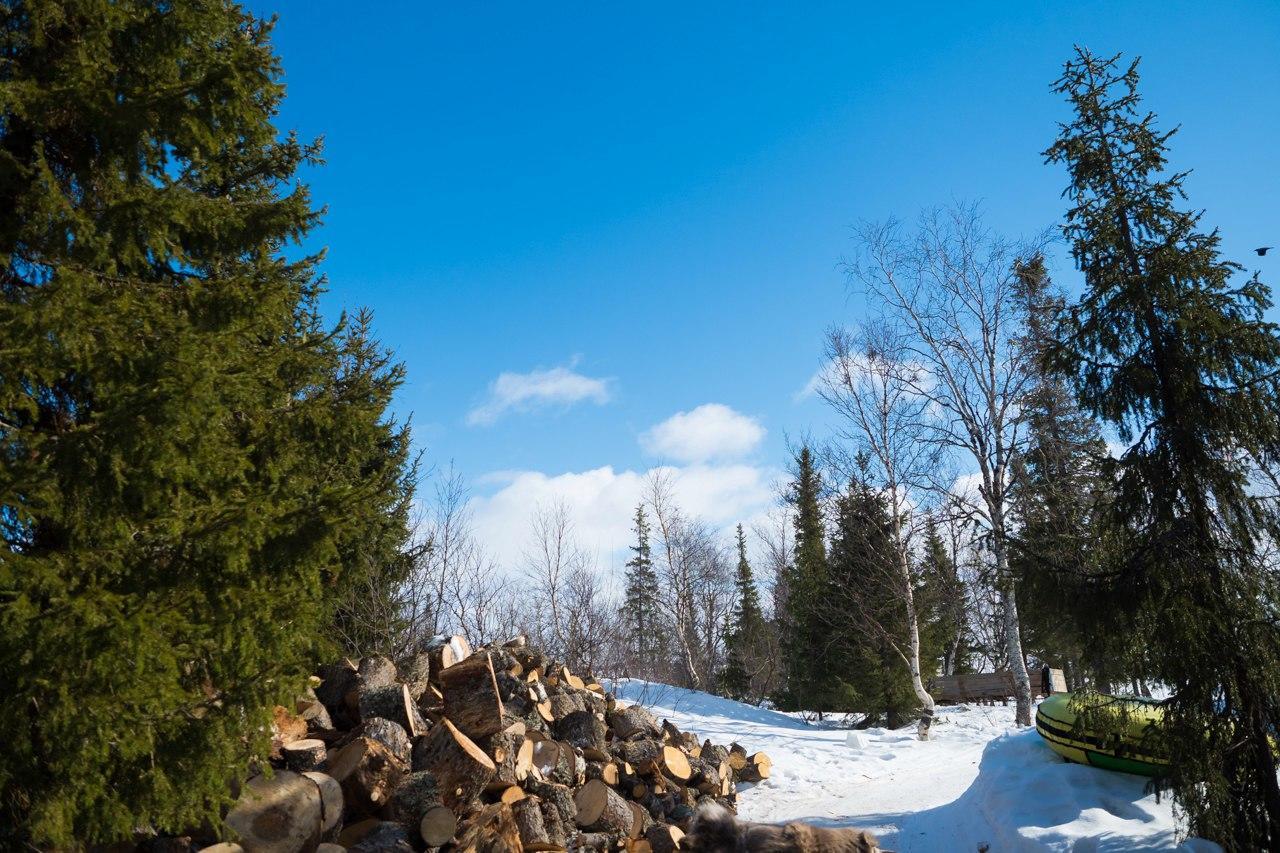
pixel 571 614
pixel 952 284
pixel 873 385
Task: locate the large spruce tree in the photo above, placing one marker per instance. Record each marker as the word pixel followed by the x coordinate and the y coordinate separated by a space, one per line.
pixel 863 609
pixel 189 461
pixel 745 634
pixel 804 637
pixel 1172 352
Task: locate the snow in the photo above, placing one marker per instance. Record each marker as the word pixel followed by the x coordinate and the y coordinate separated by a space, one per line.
pixel 978 781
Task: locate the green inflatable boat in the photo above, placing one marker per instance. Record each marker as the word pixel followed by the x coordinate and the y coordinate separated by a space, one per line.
pixel 1128 750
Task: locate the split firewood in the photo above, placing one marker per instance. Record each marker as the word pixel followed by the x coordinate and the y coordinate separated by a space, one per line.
pixel 444 652
pixel 632 721
pixel 368 773
pixel 471 699
pixel 386 837
pixel 605 771
pixel 640 820
pixel 491 829
pixel 756 768
pixel 512 755
pixel 461 766
pixel 376 671
pixel 415 672
pixel 352 834
pixel 227 847
pixel 317 715
pixel 392 702
pixel 737 757
pixel 583 729
pixel 280 814
pixel 327 847
pixel 555 825
pixel 387 732
pixel 336 681
pixel 533 831
pixel 559 796
pixel 598 841
pixel 332 802
pixel 664 838
pixel 601 809
pixel 512 795
pixel 305 754
pixel 566 703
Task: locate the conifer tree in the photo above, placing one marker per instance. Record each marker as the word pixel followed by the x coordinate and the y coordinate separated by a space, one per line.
pixel 744 639
pixel 1176 356
pixel 804 639
pixel 943 628
pixel 863 608
pixel 646 645
pixel 187 458
pixel 1060 497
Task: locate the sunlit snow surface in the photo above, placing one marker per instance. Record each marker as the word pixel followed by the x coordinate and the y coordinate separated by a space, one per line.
pixel 978 781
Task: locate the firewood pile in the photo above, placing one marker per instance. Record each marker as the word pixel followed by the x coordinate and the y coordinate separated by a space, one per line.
pixel 500 749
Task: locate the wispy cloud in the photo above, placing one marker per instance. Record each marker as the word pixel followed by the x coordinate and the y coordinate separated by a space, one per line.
pixel 711 431
pixel 538 389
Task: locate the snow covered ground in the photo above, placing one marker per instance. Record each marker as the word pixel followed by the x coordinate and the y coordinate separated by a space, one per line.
pixel 978 781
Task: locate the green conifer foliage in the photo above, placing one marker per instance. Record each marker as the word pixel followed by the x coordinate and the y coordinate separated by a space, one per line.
pixel 746 634
pixel 863 610
pixel 641 613
pixel 1061 500
pixel 804 636
pixel 1167 348
pixel 186 457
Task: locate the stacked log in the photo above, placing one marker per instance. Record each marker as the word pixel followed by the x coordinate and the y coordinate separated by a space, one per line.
pixel 496 749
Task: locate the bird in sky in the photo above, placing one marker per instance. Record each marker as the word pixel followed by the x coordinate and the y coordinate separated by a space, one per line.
pixel 1262 250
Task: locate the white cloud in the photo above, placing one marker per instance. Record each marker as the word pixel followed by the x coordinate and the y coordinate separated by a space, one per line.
pixel 522 392
pixel 602 501
pixel 711 431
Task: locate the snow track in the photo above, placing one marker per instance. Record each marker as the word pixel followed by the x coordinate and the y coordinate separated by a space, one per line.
pixel 978 781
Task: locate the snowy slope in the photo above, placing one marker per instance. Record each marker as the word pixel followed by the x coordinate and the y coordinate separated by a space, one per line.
pixel 979 780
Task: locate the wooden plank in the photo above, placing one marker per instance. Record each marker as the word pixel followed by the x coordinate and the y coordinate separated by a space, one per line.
pixel 974 685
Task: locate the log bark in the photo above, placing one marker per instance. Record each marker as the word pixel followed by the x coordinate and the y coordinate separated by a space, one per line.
pixel 387 732
pixel 491 829
pixel 386 837
pixel 554 823
pixel 368 773
pixel 417 793
pixel 471 699
pixel 458 763
pixel 376 671
pixel 565 703
pixel 559 796
pixel 512 755
pixel 533 831
pixel 305 754
pixel 601 809
pixel 632 721
pixel 336 681
pixel 444 652
pixel 582 728
pixel 392 702
pixel 415 672
pixel 664 838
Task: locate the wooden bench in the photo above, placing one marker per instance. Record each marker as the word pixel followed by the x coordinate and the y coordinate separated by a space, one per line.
pixel 990 686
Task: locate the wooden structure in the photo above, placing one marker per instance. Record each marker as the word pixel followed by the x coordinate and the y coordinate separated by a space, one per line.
pixel 990 686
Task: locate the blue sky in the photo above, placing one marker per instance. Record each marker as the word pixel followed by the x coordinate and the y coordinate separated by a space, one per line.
pixel 642 209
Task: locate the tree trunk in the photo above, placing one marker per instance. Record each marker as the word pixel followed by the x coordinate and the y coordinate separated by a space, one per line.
pixel 1017 663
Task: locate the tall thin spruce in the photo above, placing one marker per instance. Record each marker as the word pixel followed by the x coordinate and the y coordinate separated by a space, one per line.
pixel 1175 355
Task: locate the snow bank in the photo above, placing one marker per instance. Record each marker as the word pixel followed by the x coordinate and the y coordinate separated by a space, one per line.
pixel 979 780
